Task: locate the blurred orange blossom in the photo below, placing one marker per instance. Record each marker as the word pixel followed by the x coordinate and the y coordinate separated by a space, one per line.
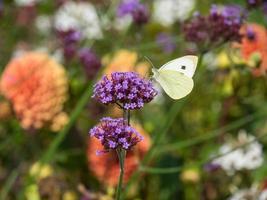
pixel 254 41
pixel 36 85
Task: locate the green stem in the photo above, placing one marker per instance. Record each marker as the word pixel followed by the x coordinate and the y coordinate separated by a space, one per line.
pixel 121 155
pixel 9 183
pixel 211 134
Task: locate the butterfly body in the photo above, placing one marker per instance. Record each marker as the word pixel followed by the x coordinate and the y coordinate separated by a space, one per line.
pixel 175 77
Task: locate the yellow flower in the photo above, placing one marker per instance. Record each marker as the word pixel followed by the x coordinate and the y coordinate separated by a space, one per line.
pixel 32 193
pixel 69 195
pixel 41 171
pixel 225 61
pixel 124 61
pixel 190 175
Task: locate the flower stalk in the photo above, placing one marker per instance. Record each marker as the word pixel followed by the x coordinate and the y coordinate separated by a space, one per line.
pixel 121 156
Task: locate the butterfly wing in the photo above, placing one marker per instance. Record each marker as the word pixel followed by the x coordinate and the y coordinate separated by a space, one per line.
pixel 174 83
pixel 186 65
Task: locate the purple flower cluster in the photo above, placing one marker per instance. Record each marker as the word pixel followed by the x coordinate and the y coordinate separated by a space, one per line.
pixel 137 10
pixel 221 25
pixel 254 3
pixel 90 62
pixel 166 42
pixel 114 133
pixel 261 4
pixel 125 88
pixel 69 41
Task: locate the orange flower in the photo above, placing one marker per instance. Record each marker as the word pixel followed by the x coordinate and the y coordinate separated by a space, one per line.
pixel 106 166
pixel 254 41
pixel 124 61
pixel 36 86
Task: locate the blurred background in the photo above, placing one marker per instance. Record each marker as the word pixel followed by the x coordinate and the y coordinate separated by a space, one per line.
pixel 209 145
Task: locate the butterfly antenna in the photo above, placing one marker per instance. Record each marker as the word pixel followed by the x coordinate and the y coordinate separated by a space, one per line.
pixel 149 61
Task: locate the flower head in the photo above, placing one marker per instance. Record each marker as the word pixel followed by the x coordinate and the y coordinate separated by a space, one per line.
pixel 125 88
pixel 134 8
pixel 123 61
pixel 254 3
pixel 221 25
pixel 90 62
pixel 79 16
pixel 254 40
pixel 114 134
pixel 69 41
pixel 247 158
pixel 166 12
pixel 127 7
pixel 36 86
pixel 166 42
pixel 106 166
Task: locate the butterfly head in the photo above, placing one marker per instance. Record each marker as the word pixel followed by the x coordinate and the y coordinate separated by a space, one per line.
pixel 155 73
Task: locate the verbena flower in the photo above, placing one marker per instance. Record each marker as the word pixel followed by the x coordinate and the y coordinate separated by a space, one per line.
pixel 125 88
pixel 90 61
pixel 254 3
pixel 166 42
pixel 134 8
pixel 69 41
pixel 221 25
pixel 106 166
pixel 114 134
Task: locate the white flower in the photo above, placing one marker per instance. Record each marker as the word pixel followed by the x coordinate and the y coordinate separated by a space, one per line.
pixel 80 16
pixel 122 23
pixel 248 157
pixel 26 2
pixel 245 194
pixel 254 192
pixel 43 24
pixel 263 195
pixel 166 12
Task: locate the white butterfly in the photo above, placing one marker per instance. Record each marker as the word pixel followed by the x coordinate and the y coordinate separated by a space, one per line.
pixel 175 77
